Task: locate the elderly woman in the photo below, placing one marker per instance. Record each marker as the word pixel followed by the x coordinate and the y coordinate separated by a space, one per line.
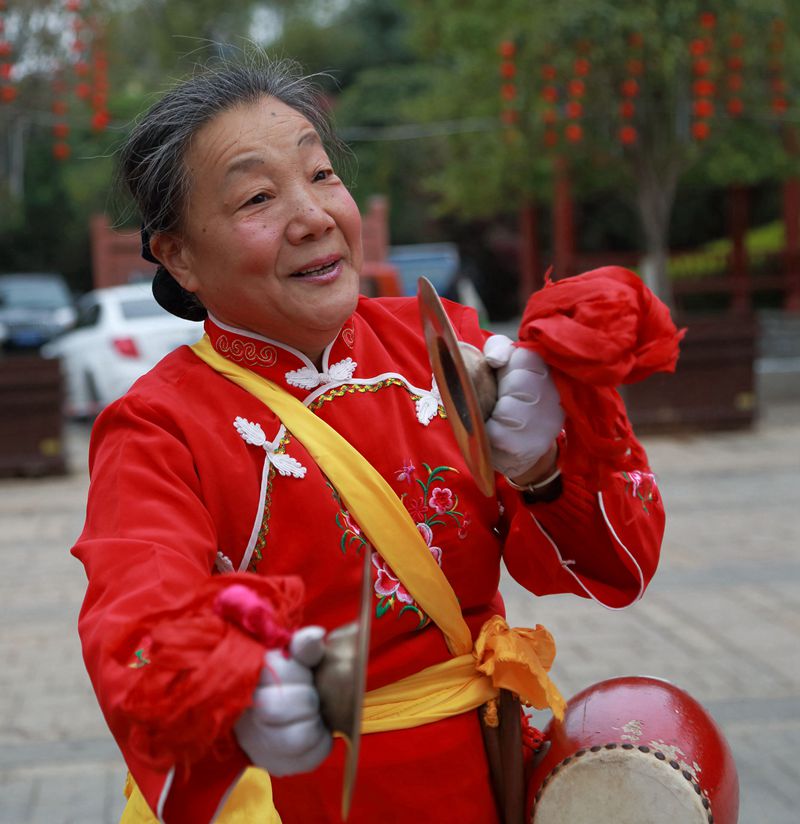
pixel 195 481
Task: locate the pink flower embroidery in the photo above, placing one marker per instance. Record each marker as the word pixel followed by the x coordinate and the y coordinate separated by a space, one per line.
pixel 464 528
pixel 646 480
pixel 387 583
pixel 406 472
pixel 416 508
pixel 441 499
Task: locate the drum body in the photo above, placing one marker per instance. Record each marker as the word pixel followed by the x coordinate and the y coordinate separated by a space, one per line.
pixel 635 750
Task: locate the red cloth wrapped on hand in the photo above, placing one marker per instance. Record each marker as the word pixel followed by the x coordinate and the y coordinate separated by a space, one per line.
pixel 596 331
pixel 194 667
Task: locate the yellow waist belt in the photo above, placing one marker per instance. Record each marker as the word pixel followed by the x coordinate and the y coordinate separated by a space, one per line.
pixel 502 657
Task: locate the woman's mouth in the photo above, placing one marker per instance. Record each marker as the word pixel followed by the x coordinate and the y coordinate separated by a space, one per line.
pixel 319 269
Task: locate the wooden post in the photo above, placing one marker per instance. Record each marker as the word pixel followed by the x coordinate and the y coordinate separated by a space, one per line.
pixel 791 218
pixel 738 218
pixel 530 276
pixel 563 222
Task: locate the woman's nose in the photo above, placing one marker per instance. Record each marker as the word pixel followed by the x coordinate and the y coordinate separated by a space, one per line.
pixel 309 219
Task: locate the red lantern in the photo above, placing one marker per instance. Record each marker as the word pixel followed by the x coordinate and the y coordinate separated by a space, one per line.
pixel 582 67
pixel 708 20
pixel 59 107
pixel 701 67
pixel 507 69
pixel 630 88
pixel 550 138
pixel 780 105
pixel 550 94
pixel 8 94
pixel 508 91
pixel 61 130
pixel 2 25
pixel 549 116
pixel 101 119
pixel 83 90
pixel 627 109
pixel 577 88
pixel 735 64
pixel 698 47
pixel 61 151
pixel 628 135
pixel 735 107
pixel 78 46
pixel 704 88
pixel 5 48
pixel 703 108
pixel 574 132
pixel 549 72
pixel 73 5
pixel 507 48
pixel 100 99
pixel 574 109
pixel 700 130
pixel 635 40
pixel 737 41
pixel 5 71
pixel 778 85
pixel 81 68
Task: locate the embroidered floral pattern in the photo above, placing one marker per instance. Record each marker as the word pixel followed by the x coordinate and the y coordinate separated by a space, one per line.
pixel 246 351
pixel 309 378
pixel 641 485
pixel 252 433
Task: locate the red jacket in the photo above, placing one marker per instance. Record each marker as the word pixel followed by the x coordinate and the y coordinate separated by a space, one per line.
pixel 180 490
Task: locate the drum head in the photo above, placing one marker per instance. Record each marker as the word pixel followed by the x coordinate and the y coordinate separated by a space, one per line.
pixel 623 786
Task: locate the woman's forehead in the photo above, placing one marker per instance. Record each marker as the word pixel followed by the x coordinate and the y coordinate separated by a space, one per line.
pixel 267 126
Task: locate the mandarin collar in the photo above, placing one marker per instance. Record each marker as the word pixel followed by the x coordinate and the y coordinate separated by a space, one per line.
pixel 283 364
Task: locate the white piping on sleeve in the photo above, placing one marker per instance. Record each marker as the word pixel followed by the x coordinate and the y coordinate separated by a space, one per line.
pixel 251 543
pixel 566 564
pixel 162 799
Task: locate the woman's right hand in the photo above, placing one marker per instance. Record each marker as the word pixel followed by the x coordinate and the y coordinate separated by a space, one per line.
pixel 282 731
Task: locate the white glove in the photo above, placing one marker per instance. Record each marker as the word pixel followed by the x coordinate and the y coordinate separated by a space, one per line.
pixel 527 417
pixel 282 731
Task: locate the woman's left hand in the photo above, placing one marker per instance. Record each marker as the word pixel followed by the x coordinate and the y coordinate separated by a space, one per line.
pixel 527 417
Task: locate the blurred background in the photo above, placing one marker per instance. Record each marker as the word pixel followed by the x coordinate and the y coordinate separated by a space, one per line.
pixel 489 144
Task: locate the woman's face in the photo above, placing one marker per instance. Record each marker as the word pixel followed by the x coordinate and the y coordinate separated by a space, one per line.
pixel 271 238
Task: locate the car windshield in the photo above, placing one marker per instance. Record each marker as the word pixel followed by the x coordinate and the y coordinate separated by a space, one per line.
pixel 34 293
pixel 140 308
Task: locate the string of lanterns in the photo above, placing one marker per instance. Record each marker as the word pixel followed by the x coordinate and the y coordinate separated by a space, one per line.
pixel 715 82
pixel 79 81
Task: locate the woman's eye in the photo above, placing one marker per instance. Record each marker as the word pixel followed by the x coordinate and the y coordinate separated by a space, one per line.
pixel 322 174
pixel 259 198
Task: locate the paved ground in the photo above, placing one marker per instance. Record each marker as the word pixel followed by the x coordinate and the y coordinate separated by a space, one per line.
pixel 722 619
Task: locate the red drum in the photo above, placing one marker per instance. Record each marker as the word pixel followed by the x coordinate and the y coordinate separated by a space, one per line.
pixel 635 750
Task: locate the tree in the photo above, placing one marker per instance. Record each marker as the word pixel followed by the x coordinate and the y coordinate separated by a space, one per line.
pixel 629 94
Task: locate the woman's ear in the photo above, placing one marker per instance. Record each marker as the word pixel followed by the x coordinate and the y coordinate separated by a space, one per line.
pixel 174 256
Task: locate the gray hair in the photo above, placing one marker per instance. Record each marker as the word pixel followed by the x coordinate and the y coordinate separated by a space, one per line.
pixel 151 161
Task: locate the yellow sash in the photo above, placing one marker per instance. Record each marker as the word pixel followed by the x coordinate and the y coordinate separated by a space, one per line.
pixel 502 657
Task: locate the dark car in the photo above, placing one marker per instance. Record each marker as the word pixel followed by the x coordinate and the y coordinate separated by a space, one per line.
pixel 34 307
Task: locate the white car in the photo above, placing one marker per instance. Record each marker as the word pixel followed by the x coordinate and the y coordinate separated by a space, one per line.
pixel 121 333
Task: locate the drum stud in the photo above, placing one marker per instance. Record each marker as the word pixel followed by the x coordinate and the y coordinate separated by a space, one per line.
pixel 687 775
pixel 706 802
pixel 580 752
pixel 611 746
pixel 660 756
pixel 697 789
pixel 644 748
pixel 675 765
pixel 627 746
pixel 566 761
pixel 596 748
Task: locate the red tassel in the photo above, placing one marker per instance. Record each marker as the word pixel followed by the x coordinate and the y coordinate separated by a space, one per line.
pixel 191 670
pixel 596 331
